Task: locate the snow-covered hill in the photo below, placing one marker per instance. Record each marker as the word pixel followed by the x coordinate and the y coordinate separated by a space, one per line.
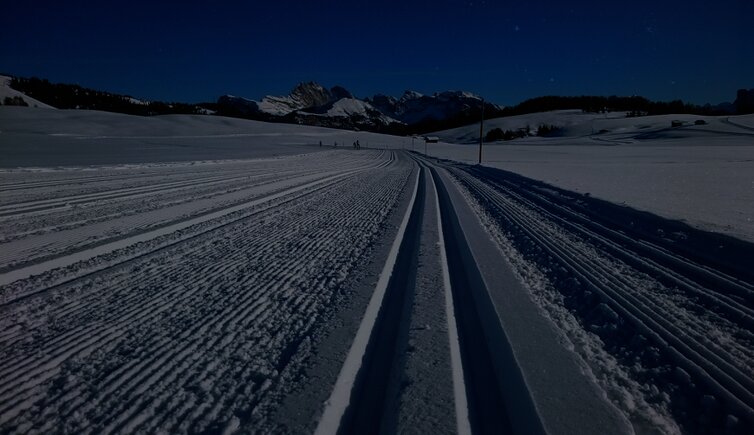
pixel 7 92
pixel 613 127
pixel 566 119
pixel 698 172
pixel 38 137
pixel 353 107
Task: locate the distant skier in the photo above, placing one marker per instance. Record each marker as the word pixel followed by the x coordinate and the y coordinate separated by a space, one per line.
pixel 320 144
pixel 358 145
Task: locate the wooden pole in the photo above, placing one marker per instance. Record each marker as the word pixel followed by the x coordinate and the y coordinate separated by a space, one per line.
pixel 481 132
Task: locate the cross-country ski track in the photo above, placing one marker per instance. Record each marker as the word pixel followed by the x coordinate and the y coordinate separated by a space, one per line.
pixel 369 291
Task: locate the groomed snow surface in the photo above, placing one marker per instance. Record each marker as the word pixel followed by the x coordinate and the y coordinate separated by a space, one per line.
pixel 202 274
pixel 202 325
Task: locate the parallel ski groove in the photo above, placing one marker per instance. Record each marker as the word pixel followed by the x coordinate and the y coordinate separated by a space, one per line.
pixel 355 403
pixel 463 424
pixel 487 411
pixel 97 225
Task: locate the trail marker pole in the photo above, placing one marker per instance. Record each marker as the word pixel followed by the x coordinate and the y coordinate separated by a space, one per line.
pixel 481 132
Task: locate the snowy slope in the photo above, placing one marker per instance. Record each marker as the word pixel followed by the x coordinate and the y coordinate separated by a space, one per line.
pixel 575 124
pixel 7 91
pixel 348 107
pixel 355 108
pixel 701 174
pixel 278 106
pixel 559 118
pixel 37 137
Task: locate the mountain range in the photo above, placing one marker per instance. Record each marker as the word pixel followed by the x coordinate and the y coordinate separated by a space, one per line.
pixel 312 104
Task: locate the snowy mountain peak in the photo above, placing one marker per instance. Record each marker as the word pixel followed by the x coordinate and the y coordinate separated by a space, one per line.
pixel 349 106
pixel 411 95
pixel 457 94
pixel 310 94
pixel 350 112
pixel 310 102
pixel 339 92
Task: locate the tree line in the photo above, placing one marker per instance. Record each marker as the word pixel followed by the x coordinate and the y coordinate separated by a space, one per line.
pixel 69 96
pixel 543 130
pixel 633 105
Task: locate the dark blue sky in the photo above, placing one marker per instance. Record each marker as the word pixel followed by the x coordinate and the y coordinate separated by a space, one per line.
pixel 699 51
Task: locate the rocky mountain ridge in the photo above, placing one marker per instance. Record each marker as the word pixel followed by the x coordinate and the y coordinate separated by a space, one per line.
pixel 311 103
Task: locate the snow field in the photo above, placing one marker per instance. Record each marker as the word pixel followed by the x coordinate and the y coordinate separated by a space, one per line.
pixel 40 138
pixel 208 333
pixel 699 174
pixel 181 297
